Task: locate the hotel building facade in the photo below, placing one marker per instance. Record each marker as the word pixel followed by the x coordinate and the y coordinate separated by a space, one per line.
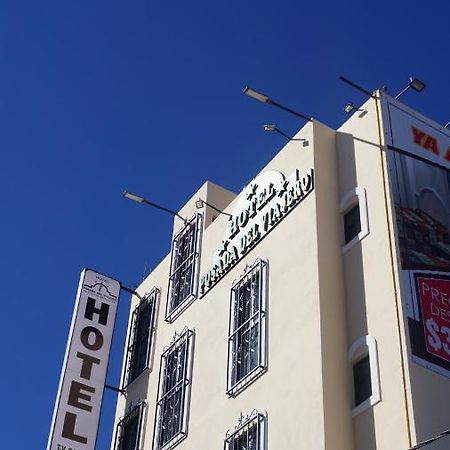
pixel 314 311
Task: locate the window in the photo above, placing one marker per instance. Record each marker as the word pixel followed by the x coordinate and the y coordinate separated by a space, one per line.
pixel 172 407
pixel 363 357
pixel 352 223
pixel 140 341
pixel 128 432
pixel 249 433
pixel 355 222
pixel 362 384
pixel 183 280
pixel 247 328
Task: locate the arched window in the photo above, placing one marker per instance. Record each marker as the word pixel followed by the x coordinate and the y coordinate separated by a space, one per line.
pixel 355 222
pixel 363 358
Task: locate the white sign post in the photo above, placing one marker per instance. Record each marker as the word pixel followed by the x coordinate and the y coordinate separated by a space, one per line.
pixel 80 393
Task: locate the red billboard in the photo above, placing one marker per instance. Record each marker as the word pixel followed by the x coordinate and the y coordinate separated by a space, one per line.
pixel 419 175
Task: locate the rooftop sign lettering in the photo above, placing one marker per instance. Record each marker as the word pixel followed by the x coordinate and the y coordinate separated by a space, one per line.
pixel 262 205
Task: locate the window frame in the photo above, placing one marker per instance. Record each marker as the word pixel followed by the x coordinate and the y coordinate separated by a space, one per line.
pixel 133 410
pixel 246 423
pixel 363 346
pixel 174 310
pixel 355 196
pixel 235 385
pixel 153 298
pixel 185 338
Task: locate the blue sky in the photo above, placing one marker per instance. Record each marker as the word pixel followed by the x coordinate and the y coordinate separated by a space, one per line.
pixel 101 96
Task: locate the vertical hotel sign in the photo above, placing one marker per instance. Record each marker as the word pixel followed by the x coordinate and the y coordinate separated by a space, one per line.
pixel 80 393
pixel 419 169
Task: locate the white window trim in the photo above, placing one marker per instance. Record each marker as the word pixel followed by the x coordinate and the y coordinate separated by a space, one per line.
pixel 234 389
pixel 350 199
pixel 172 314
pixel 153 295
pixel 187 335
pixel 359 349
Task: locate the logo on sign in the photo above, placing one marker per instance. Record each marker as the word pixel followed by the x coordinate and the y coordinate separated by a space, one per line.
pixel 262 205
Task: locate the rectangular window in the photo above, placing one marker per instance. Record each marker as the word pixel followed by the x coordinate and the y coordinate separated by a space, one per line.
pixel 352 223
pixel 362 380
pixel 183 280
pixel 247 328
pixel 249 434
pixel 128 430
pixel 140 341
pixel 174 391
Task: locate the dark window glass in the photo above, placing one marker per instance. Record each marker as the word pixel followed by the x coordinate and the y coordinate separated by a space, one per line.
pixel 139 358
pixel 361 380
pixel 141 336
pixel 247 440
pixel 130 435
pixel 128 429
pixel 352 223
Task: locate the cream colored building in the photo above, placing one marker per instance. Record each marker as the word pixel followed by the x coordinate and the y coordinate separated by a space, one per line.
pixel 285 322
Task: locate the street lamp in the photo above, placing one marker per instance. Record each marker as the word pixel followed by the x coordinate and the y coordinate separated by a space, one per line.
pixel 200 203
pixel 271 127
pixel 249 92
pixel 139 199
pixel 350 108
pixel 415 84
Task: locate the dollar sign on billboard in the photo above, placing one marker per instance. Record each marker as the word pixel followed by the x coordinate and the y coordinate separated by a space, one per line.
pixel 433 339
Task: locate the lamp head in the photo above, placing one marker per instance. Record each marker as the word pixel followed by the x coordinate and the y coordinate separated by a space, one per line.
pixel 199 203
pixel 249 92
pixel 349 108
pixel 133 197
pixel 416 84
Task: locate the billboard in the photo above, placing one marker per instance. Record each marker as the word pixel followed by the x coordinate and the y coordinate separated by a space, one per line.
pixel 78 402
pixel 418 164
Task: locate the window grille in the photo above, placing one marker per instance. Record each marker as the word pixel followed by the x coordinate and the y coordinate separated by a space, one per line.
pixel 183 280
pixel 128 431
pixel 247 328
pixel 172 407
pixel 249 434
pixel 141 336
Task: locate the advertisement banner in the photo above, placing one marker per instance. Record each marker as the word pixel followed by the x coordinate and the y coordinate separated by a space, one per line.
pixel 80 393
pixel 418 163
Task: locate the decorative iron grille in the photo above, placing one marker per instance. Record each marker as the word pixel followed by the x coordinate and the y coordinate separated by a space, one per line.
pixel 249 433
pixel 141 336
pixel 247 328
pixel 172 407
pixel 183 279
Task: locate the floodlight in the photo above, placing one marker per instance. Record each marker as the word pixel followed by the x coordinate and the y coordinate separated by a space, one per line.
pixel 415 84
pixel 200 203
